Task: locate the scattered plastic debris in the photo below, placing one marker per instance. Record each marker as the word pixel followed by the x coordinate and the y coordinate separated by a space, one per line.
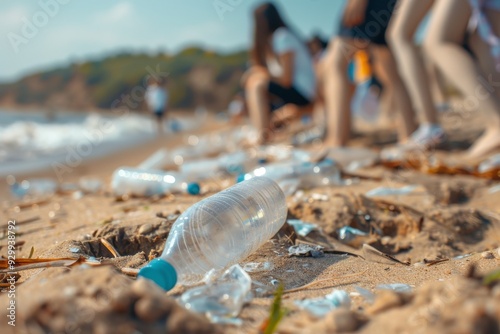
pixel 302 228
pixel 34 187
pixel 348 234
pixel 461 257
pixel 304 250
pixel 397 287
pixel 387 191
pixel 366 294
pixel 319 197
pixel 319 307
pixel 90 185
pixel 255 267
pixel 222 300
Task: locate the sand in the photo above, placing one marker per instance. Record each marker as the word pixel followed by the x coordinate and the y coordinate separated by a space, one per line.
pixel 445 218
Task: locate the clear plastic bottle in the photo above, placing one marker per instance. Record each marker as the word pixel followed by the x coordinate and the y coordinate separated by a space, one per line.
pixel 309 174
pixel 158 160
pixel 232 163
pixel 219 231
pixel 33 187
pixel 141 182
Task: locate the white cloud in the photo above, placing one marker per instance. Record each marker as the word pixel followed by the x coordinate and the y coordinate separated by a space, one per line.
pixel 116 13
pixel 11 17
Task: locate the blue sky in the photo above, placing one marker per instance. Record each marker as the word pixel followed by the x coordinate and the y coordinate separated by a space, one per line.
pixel 64 31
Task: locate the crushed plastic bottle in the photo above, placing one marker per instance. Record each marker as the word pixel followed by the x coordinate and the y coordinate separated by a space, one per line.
pixel 366 294
pixel 319 307
pixel 309 174
pixel 302 228
pixel 219 231
pixel 33 187
pixel 396 287
pixel 387 191
pixel 303 250
pixel 140 182
pixel 348 234
pixel 256 267
pixel 220 300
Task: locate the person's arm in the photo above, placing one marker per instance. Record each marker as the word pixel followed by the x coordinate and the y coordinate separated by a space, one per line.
pixel 354 13
pixel 286 61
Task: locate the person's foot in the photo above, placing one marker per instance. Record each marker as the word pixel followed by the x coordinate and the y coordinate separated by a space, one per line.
pixel 488 142
pixel 427 137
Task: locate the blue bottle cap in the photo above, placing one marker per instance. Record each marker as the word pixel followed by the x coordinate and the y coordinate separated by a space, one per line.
pixel 240 178
pixel 262 161
pixel 193 188
pixel 161 272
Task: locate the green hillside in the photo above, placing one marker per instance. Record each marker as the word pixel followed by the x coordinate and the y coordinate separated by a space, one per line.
pixel 194 77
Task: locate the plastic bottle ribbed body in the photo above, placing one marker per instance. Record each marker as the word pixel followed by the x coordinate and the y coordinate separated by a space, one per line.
pixel 225 228
pixel 141 182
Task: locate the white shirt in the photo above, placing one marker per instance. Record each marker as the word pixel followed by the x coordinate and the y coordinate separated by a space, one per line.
pixel 304 79
pixel 156 98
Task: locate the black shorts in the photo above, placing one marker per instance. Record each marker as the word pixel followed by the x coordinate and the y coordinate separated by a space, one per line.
pixel 283 95
pixel 377 16
pixel 159 114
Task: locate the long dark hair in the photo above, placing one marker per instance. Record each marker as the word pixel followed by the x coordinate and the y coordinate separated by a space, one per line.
pixel 267 20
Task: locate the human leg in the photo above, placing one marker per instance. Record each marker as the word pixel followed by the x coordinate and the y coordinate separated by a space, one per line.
pixel 256 92
pixel 402 28
pixel 443 44
pixel 385 69
pixel 337 90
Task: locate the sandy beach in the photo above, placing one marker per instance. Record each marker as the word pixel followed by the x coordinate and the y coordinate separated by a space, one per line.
pixel 444 235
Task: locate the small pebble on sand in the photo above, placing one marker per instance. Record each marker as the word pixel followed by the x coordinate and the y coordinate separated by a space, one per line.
pixel 487 255
pixel 145 229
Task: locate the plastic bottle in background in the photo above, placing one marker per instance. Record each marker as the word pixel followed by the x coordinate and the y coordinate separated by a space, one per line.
pixel 34 187
pixel 309 175
pixel 231 163
pixel 365 103
pixel 158 160
pixel 141 182
pixel 219 231
pixel 353 158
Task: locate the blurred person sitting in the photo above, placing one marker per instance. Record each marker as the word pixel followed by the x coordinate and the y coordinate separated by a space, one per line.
pixel 156 99
pixel 282 73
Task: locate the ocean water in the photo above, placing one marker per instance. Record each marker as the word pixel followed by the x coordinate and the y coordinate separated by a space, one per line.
pixel 31 141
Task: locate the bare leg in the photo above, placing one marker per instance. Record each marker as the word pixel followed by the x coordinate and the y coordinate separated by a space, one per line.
pixel 443 44
pixel 404 24
pixel 385 68
pixel 258 102
pixel 482 51
pixel 436 83
pixel 338 91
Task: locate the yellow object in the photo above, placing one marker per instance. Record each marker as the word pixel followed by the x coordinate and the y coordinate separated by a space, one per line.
pixel 363 68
